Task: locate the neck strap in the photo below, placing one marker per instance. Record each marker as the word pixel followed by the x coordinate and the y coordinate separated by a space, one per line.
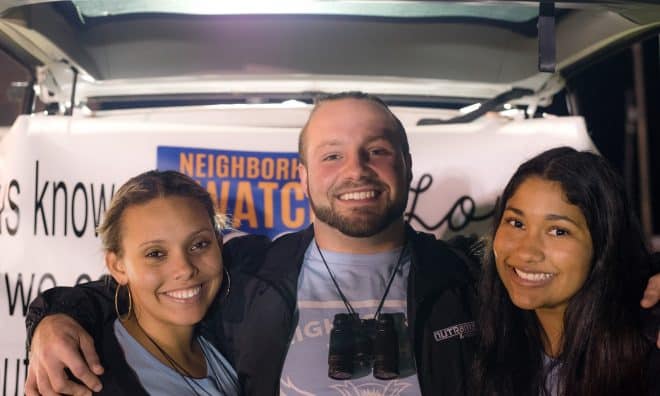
pixel 347 303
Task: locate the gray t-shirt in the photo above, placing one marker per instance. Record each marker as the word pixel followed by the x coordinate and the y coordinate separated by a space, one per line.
pixel 159 379
pixel 551 370
pixel 363 279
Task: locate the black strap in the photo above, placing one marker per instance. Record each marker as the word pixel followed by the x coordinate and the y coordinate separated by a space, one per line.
pixel 347 303
pixel 546 29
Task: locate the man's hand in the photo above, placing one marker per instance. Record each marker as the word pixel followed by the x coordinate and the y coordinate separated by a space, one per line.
pixel 652 296
pixel 59 342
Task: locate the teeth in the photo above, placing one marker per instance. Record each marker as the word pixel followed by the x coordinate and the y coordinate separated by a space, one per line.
pixel 357 195
pixel 185 294
pixel 533 276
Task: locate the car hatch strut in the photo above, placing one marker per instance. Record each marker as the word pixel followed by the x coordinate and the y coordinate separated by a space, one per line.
pixel 485 107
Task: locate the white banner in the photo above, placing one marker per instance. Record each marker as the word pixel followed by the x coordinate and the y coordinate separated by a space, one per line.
pixel 57 176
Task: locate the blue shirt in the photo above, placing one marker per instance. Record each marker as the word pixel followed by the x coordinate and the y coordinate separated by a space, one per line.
pixel 159 379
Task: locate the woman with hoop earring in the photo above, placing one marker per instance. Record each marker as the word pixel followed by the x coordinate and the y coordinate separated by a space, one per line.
pixel 162 241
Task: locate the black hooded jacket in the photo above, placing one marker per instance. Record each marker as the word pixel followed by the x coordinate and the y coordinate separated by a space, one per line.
pixel 253 326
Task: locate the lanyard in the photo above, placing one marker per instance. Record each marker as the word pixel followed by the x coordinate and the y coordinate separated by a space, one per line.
pixel 348 305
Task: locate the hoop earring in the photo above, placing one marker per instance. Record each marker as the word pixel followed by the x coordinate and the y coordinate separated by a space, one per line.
pixel 127 315
pixel 228 282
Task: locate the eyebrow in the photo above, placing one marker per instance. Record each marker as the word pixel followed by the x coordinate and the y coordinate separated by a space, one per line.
pixel 551 216
pixel 326 143
pixel 151 242
pixel 192 235
pixel 337 142
pixel 380 137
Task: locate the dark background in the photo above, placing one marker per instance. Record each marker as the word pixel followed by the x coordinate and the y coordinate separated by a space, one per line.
pixel 605 92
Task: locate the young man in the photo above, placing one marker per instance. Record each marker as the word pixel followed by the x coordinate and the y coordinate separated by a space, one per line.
pixel 357 256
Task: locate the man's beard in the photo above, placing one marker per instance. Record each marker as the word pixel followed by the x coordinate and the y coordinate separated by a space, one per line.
pixel 364 222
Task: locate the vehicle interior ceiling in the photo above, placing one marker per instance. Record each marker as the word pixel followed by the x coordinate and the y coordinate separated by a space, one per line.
pixel 426 46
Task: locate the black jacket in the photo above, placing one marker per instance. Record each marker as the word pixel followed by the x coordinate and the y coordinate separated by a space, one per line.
pixel 258 320
pixel 253 327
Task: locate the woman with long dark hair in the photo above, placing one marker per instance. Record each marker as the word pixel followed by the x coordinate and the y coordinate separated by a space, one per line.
pixel 564 272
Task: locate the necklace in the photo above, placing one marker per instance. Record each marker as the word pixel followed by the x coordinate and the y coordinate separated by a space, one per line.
pixel 183 373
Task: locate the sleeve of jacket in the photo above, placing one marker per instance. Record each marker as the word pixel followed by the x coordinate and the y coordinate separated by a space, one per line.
pixel 241 253
pixel 655 263
pixel 470 250
pixel 90 304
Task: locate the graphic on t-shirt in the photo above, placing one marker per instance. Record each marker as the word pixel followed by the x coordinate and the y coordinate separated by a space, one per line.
pixel 349 388
pixel 390 388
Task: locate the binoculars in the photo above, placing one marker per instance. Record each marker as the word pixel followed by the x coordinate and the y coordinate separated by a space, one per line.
pixel 358 344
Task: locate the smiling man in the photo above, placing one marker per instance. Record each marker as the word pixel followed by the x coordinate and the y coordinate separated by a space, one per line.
pixel 360 257
pixel 357 303
pixel 356 170
pixel 356 262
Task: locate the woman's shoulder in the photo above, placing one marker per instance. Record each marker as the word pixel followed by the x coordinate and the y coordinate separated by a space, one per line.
pixel 220 369
pixel 118 377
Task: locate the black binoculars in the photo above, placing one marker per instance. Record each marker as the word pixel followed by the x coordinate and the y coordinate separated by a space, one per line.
pixel 358 344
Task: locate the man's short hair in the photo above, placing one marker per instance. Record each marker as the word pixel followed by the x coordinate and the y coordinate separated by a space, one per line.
pixel 400 130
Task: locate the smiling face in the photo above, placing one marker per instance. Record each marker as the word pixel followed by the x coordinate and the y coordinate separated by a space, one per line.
pixel 355 173
pixel 543 248
pixel 170 259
